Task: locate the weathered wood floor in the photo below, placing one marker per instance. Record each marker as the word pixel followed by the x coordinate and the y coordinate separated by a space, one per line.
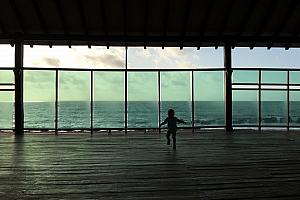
pixel 204 166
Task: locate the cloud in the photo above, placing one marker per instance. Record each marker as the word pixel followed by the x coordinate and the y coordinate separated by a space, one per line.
pixel 52 61
pixel 106 60
pixel 45 62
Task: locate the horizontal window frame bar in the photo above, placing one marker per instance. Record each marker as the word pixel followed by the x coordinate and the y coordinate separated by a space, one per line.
pixel 121 69
pixel 266 69
pixel 7 90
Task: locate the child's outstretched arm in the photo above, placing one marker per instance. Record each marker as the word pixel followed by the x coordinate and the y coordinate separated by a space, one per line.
pixel 163 123
pixel 180 121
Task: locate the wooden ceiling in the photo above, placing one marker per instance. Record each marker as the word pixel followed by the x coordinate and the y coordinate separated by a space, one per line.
pixel 179 23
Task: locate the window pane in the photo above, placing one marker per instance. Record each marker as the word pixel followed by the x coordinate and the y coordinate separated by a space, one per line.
pixel 295 108
pixel 7 76
pixel 75 57
pixel 176 94
pixel 173 57
pixel 7 110
pixel 39 99
pixel 294 77
pixel 109 105
pixel 209 98
pixel 7 55
pixel 245 107
pixel 274 107
pixel 74 99
pixel 241 76
pixel 273 77
pixel 142 100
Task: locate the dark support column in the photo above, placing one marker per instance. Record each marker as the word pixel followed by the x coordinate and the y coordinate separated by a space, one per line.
pixel 92 102
pixel 228 87
pixel 56 101
pixel 126 93
pixel 158 85
pixel 193 103
pixel 18 71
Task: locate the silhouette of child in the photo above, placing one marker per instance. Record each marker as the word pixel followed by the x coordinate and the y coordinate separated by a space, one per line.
pixel 172 126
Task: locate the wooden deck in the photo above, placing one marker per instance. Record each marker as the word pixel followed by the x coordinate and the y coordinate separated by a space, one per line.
pixel 204 166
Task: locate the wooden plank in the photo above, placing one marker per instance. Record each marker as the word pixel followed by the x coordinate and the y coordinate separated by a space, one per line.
pixel 142 166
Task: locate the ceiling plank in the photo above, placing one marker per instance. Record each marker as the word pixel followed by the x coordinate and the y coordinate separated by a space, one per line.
pixel 18 16
pixel 62 17
pixel 83 17
pixel 186 17
pixel 2 27
pixel 245 20
pixel 287 16
pixel 226 17
pixel 104 21
pixel 125 20
pixel 146 13
pixel 165 22
pixel 40 17
pixel 225 20
pixel 206 17
pixel 266 17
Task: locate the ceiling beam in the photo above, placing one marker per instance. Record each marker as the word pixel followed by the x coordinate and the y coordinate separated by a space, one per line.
pixel 104 21
pixel 62 17
pixel 266 17
pixel 226 17
pixel 225 20
pixel 2 27
pixel 40 17
pixel 245 20
pixel 287 16
pixel 18 16
pixel 288 13
pixel 152 40
pixel 186 17
pixel 165 22
pixel 125 20
pixel 146 13
pixel 206 17
pixel 82 17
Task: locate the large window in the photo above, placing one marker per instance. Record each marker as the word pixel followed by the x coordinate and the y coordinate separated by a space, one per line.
pixel 7 109
pixel 245 96
pixel 245 108
pixel 294 98
pixel 74 100
pixel 7 59
pixel 209 98
pixel 109 100
pixel 274 108
pixel 39 99
pixel 142 100
pixel 176 94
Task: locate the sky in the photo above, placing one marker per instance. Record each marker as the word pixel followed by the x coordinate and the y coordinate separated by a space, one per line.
pixel 109 86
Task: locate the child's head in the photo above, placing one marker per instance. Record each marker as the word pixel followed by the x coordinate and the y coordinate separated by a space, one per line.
pixel 171 113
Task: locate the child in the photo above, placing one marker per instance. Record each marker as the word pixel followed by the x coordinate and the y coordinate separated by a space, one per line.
pixel 172 126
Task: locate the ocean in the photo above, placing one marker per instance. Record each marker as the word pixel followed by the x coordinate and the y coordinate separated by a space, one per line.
pixel 144 114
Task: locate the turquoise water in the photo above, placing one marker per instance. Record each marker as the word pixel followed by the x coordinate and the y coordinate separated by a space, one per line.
pixel 142 114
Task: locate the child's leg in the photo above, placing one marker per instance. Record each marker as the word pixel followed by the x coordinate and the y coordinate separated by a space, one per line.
pixel 174 140
pixel 168 137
